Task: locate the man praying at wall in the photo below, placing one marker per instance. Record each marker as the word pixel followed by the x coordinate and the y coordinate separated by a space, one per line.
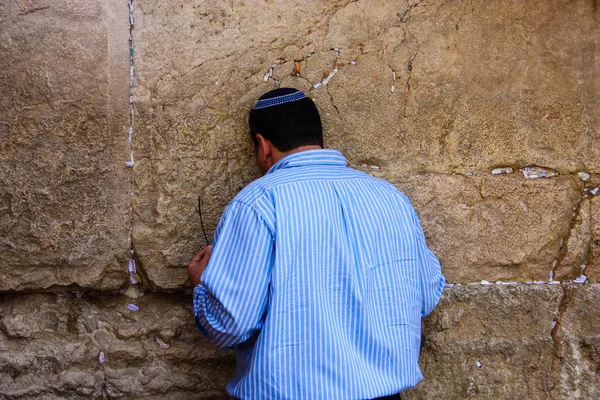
pixel 319 274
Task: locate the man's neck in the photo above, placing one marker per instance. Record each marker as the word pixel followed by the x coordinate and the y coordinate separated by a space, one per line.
pixel 278 155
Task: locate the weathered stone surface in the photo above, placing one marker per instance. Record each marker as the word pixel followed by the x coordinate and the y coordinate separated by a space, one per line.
pixel 50 346
pixel 433 94
pixel 576 248
pixel 477 86
pixel 581 250
pixel 64 188
pixel 521 102
pixel 577 344
pixel 593 269
pixel 489 342
pixel 486 227
pixel 530 341
pixel 192 128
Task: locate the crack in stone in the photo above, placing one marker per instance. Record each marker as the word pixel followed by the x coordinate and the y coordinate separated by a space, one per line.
pixel 295 73
pixel 555 334
pixel 103 388
pixel 406 18
pixel 305 79
pixel 332 102
pixel 590 256
pixel 361 10
pixel 34 9
pixel 408 87
pixel 327 24
pixel 563 249
pixel 365 17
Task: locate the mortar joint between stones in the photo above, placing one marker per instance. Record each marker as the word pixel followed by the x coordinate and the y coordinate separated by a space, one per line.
pixel 132 270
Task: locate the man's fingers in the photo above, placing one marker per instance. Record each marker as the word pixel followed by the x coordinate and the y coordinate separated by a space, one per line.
pixel 199 256
pixel 198 265
pixel 205 252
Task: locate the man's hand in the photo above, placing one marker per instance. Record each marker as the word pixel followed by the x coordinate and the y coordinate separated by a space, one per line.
pixel 198 265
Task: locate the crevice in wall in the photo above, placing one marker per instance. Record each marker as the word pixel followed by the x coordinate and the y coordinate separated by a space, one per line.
pixel 305 79
pixel 393 88
pixel 297 72
pixel 406 15
pixel 337 111
pixel 327 24
pixel 269 75
pixel 556 334
pixel 408 87
pixel 101 390
pixel 33 9
pixel 134 277
pixel 589 250
pixel 564 248
pixel 513 283
pixel 335 70
pixel 405 18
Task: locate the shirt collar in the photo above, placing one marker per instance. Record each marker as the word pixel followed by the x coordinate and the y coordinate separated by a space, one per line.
pixel 310 157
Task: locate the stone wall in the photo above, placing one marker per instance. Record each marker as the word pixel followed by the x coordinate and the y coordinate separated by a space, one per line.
pixel 434 96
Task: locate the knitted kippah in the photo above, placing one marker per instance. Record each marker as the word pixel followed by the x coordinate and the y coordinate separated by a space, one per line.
pixel 279 96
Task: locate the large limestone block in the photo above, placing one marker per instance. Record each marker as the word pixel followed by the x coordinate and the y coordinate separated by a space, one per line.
pixel 477 85
pixel 167 231
pixel 489 342
pixel 577 344
pixel 487 227
pixel 580 253
pixel 193 94
pixel 64 187
pixel 412 87
pixel 50 345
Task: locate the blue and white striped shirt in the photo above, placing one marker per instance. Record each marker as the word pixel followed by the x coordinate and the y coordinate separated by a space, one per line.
pixel 319 278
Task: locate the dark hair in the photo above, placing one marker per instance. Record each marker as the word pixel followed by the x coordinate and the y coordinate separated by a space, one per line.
pixel 288 125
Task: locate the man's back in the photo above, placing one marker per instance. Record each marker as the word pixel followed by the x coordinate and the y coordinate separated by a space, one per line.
pixel 324 275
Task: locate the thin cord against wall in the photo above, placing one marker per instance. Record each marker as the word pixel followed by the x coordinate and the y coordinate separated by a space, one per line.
pixel 201 220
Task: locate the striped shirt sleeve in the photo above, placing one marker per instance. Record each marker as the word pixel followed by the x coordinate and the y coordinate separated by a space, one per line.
pixel 432 280
pixel 231 299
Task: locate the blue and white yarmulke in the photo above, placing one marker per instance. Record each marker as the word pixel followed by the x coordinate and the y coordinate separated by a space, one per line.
pixel 274 101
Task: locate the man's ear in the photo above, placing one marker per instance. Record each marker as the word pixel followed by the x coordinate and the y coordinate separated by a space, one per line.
pixel 264 150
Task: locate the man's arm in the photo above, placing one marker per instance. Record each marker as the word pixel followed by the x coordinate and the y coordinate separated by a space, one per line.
pixel 432 280
pixel 231 298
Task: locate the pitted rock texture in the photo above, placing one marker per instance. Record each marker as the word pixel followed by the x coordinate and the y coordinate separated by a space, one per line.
pixel 50 348
pixel 525 341
pixel 489 342
pixel 511 342
pixel 421 88
pixel 577 345
pixel 580 251
pixel 593 267
pixel 430 95
pixel 64 187
pixel 510 228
